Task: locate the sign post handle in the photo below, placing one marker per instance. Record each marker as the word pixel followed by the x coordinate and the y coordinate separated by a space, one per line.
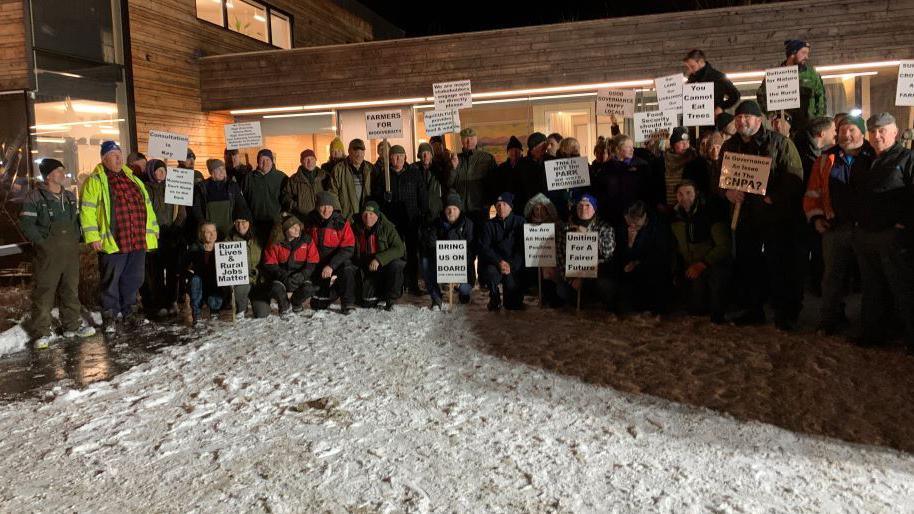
pixel 734 221
pixel 385 156
pixel 233 303
pixel 539 289
pixel 450 296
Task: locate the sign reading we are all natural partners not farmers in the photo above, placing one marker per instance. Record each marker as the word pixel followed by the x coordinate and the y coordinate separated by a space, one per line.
pixel 539 245
pixel 744 172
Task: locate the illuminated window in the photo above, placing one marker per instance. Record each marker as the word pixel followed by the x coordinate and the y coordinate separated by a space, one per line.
pixel 281 30
pixel 211 11
pixel 249 17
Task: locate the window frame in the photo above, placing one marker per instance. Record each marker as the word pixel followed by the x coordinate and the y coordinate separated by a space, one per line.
pixel 269 10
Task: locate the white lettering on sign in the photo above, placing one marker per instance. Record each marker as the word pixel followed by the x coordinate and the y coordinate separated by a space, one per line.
pixel 451 96
pixel 232 264
pixel 165 145
pixel 384 124
pixel 698 104
pixel 669 93
pixel 653 123
pixel 243 135
pixel 782 88
pixel 581 259
pixel 904 94
pixel 746 173
pixel 539 245
pixel 179 186
pixel 618 102
pixel 439 123
pixel 451 262
pixel 567 173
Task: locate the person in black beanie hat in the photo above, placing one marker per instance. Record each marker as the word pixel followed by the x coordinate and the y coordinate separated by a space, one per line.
pixel 680 162
pixel 262 190
pixel 505 177
pixel 530 175
pixel 812 88
pixel 450 225
pixel 501 255
pixel 50 221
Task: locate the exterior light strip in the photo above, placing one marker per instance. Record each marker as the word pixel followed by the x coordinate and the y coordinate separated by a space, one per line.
pixel 298 115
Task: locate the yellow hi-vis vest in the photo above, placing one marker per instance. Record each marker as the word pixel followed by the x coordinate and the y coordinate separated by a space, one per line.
pixel 95 211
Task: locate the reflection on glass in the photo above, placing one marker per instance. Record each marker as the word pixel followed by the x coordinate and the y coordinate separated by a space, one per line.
pixel 281 30
pixel 248 18
pixel 211 11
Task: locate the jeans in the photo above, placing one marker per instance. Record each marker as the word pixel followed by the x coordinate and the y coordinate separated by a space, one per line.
pixel 120 278
pixel 196 290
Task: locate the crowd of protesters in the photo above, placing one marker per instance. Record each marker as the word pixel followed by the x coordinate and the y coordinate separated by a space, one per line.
pixel 838 206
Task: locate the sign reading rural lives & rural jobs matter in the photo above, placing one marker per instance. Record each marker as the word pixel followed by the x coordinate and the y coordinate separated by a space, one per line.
pixel 232 264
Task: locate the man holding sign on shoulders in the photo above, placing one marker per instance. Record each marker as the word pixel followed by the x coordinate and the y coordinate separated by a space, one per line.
pixel 501 255
pixel 773 221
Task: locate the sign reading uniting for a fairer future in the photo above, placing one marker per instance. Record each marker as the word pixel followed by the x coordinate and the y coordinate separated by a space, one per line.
pixel 581 254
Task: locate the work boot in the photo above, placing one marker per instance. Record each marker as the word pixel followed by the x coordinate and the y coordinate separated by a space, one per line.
pixel 43 342
pixel 345 309
pixel 82 332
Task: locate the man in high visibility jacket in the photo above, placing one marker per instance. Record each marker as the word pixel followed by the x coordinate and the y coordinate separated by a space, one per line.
pixel 119 223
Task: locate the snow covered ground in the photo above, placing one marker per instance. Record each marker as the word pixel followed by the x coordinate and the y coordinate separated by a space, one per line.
pixel 419 411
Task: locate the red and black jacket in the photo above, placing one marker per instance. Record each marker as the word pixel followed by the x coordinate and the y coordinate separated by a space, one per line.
pixel 287 257
pixel 334 239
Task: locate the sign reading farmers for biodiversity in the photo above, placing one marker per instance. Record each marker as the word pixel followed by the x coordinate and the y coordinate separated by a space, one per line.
pixel 165 145
pixel 669 93
pixel 179 186
pixel 618 102
pixel 567 173
pixel 243 135
pixel 581 259
pixel 698 104
pixel 450 96
pixel 746 173
pixel 232 263
pixel 782 88
pixel 539 245
pixel 451 262
pixel 653 123
pixel 439 123
pixel 384 124
pixel 904 95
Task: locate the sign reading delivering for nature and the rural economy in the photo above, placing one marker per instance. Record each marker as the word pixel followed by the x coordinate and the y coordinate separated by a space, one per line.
pixel 232 264
pixel 669 93
pixel 165 145
pixel 451 262
pixel 567 173
pixel 439 123
pixel 746 173
pixel 179 186
pixel 384 124
pixel 243 135
pixel 450 96
pixel 616 102
pixel 782 88
pixel 581 258
pixel 904 94
pixel 654 123
pixel 698 104
pixel 539 245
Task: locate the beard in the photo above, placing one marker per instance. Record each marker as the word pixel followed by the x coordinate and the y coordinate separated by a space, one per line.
pixel 850 145
pixel 747 131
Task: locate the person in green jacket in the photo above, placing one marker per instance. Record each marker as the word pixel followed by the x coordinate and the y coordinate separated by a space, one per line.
pixel 350 179
pixel 244 231
pixel 470 177
pixel 424 164
pixel 262 190
pixel 812 89
pixel 379 258
pixel 299 195
pixel 703 253
pixel 50 220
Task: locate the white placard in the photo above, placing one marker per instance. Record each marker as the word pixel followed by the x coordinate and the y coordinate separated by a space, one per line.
pixel 782 88
pixel 232 264
pixel 243 135
pixel 698 104
pixel 669 93
pixel 581 257
pixel 539 245
pixel 567 173
pixel 653 122
pixel 744 172
pixel 165 145
pixel 450 96
pixel 439 123
pixel 451 262
pixel 384 124
pixel 619 102
pixel 179 186
pixel 904 94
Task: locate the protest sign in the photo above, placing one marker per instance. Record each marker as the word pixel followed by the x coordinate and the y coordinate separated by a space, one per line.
pixel 698 104
pixel 782 88
pixel 179 186
pixel 904 94
pixel 567 173
pixel 439 123
pixel 581 258
pixel 746 173
pixel 669 93
pixel 165 145
pixel 451 262
pixel 652 123
pixel 232 264
pixel 618 102
pixel 384 124
pixel 539 245
pixel 243 135
pixel 450 96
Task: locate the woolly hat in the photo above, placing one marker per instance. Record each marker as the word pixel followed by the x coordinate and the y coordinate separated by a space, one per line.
pixel 47 166
pixel 515 143
pixel 109 146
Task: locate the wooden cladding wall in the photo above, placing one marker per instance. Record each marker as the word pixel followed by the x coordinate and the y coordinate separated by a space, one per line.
pixel 735 39
pixel 167 41
pixel 15 61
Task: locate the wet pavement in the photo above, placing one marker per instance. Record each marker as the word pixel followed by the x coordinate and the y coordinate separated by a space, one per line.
pixel 32 374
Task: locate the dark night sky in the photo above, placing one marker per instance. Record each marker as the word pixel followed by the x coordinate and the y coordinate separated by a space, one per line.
pixel 474 15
